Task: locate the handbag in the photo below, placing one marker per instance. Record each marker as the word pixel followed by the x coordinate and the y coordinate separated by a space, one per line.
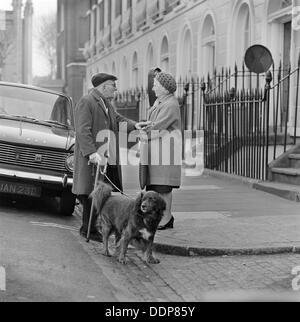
pixel 143 175
pixel 143 165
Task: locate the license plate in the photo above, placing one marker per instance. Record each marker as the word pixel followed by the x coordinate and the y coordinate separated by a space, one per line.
pixel 20 189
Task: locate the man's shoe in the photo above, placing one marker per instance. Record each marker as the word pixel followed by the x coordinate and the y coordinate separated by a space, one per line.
pixel 95 236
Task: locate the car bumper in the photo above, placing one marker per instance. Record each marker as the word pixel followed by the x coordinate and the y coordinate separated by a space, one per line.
pixel 63 180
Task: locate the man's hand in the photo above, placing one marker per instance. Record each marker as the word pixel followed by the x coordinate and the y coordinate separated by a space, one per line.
pixel 95 158
pixel 143 125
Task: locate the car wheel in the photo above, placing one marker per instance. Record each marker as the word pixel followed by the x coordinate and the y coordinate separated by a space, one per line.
pixel 67 203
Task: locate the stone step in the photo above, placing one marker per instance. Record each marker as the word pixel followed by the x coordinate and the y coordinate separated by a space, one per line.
pixel 286 175
pixel 286 191
pixel 294 160
pixel 294 156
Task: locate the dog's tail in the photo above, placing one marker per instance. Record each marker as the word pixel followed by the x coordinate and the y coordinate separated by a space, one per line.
pixel 100 195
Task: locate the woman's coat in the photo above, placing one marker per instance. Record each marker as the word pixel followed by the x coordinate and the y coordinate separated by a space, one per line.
pixel 164 156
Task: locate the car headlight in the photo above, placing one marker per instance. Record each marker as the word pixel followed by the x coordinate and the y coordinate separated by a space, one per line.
pixel 70 163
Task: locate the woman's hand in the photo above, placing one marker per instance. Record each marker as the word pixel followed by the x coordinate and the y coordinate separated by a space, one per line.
pixel 143 125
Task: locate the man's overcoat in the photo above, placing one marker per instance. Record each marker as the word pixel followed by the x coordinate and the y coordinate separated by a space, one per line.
pixel 91 117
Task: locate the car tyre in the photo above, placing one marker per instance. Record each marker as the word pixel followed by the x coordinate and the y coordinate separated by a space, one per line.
pixel 67 203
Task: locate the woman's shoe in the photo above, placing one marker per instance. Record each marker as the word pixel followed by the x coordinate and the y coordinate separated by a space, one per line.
pixel 169 225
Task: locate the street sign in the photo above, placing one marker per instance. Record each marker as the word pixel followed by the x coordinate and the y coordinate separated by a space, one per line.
pixel 258 59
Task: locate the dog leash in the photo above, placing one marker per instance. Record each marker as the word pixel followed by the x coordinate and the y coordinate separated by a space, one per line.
pixel 92 206
pixel 114 186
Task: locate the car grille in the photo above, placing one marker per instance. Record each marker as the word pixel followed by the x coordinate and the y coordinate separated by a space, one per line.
pixel 32 157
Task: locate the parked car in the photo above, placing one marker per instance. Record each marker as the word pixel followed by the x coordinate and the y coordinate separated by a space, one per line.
pixel 36 144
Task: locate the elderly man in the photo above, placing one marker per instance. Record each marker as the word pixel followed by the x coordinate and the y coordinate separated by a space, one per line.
pixel 93 114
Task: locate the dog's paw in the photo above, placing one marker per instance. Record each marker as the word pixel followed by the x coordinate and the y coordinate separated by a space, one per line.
pixel 107 254
pixel 152 260
pixel 122 260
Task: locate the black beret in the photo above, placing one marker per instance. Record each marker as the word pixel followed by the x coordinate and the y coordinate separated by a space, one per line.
pixel 100 78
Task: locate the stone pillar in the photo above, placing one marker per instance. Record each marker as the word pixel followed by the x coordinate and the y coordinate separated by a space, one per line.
pixel 27 43
pixel 18 35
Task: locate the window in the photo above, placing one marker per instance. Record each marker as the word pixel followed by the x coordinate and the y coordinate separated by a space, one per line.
pixel 164 55
pixel 118 8
pixel 102 15
pixel 186 54
pixel 150 60
pixel 109 12
pixel 208 49
pixel 135 71
pixel 124 75
pixel 242 33
pixel 114 69
pixel 149 63
pixel 62 16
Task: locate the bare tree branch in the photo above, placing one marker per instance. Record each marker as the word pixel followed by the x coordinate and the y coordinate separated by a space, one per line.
pixel 46 36
pixel 6 44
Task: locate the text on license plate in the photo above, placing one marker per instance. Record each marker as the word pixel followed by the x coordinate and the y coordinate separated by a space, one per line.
pixel 20 189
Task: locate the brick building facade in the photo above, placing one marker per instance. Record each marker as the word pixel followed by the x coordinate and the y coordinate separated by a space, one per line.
pixel 72 27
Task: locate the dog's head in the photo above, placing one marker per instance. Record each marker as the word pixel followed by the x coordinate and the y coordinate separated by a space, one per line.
pixel 151 205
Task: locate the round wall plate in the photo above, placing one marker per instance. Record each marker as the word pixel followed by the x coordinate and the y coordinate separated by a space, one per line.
pixel 258 59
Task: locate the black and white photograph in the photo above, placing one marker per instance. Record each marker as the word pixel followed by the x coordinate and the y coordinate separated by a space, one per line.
pixel 149 154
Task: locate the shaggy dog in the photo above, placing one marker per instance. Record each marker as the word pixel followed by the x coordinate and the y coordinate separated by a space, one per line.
pixel 130 220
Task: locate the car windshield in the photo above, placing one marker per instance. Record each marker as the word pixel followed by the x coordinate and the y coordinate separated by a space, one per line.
pixel 34 105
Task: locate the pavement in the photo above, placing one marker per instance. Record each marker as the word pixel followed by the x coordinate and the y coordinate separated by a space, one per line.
pixel 222 215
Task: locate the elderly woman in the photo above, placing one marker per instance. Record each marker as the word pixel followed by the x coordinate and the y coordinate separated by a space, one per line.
pixel 164 144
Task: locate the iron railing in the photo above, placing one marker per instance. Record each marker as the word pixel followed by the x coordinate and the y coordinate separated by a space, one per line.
pixel 246 126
